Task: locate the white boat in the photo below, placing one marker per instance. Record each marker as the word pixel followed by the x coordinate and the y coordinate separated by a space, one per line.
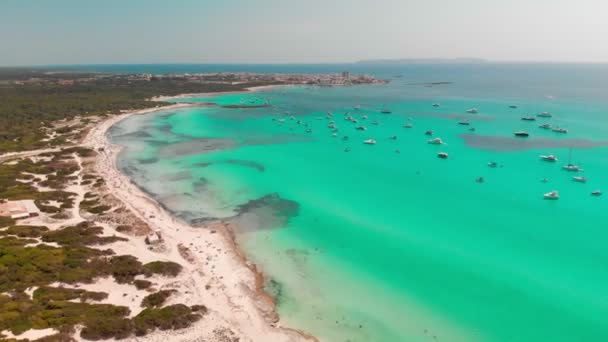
pixel 553 195
pixel 528 118
pixel 364 117
pixel 394 137
pixel 473 110
pixel 442 155
pixel 408 125
pixel 545 126
pixel 375 122
pixel 492 164
pixel 596 193
pixel 436 141
pixel 334 135
pixel 361 128
pixel 579 179
pixel 572 168
pixel 544 115
pixel 549 158
pixel 385 111
pixel 429 132
pixel 370 142
pixel 559 130
pixel 436 105
pixel 357 107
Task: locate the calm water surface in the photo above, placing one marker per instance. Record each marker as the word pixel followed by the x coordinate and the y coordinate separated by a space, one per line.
pixel 375 245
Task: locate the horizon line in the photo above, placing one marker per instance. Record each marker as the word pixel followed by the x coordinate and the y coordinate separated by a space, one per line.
pixel 381 61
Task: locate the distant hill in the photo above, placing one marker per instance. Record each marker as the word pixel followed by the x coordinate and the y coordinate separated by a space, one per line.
pixel 424 61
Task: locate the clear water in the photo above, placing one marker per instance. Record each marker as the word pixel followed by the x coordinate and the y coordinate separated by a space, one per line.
pixel 374 245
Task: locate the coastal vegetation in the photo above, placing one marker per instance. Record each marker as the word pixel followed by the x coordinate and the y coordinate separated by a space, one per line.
pixel 32 100
pixel 23 267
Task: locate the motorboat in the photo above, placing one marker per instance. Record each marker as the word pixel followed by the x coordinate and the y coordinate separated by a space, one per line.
pixel 553 195
pixel 361 128
pixel 545 126
pixel 559 130
pixel 370 142
pixel 364 117
pixel 492 164
pixel 528 118
pixel 544 115
pixel 375 123
pixel 521 134
pixel 334 135
pixel 472 129
pixel 579 179
pixel 347 149
pixel 308 130
pixel 464 123
pixel 408 125
pixel 436 141
pixel 473 111
pixel 429 132
pixel 549 158
pixel 596 193
pixel 480 179
pixel 394 137
pixel 345 137
pixel 513 106
pixel 436 105
pixel 357 107
pixel 442 155
pixel 385 111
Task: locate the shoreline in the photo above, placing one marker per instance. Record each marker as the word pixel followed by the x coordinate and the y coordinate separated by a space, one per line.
pixel 245 90
pixel 239 301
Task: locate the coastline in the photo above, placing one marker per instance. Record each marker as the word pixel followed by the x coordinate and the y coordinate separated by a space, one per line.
pixel 246 90
pixel 235 296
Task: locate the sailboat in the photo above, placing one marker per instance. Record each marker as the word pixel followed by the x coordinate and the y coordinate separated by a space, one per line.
pixel 571 167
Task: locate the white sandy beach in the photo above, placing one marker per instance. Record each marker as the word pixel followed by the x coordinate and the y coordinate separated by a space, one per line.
pixel 250 89
pixel 215 272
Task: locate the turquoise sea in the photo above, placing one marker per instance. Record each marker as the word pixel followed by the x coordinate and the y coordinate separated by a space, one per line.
pixel 375 245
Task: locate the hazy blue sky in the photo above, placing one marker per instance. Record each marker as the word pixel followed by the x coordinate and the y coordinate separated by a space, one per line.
pixel 266 31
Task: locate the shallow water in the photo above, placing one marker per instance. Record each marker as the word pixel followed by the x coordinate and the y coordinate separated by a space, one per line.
pixel 374 245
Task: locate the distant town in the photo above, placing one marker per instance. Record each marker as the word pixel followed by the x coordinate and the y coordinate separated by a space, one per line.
pixel 344 78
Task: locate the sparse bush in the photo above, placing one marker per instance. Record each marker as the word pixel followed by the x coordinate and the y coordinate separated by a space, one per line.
pixel 176 316
pixel 6 221
pixel 165 268
pixel 156 299
pixel 141 284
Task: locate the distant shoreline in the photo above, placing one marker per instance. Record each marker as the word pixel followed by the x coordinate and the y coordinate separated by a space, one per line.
pixel 246 90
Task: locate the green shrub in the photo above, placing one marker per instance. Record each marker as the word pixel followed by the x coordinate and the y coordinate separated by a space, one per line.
pixel 103 328
pixel 141 284
pixel 124 268
pixel 99 209
pixel 176 316
pixel 79 235
pixel 25 231
pixel 6 221
pixel 165 268
pixel 156 299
